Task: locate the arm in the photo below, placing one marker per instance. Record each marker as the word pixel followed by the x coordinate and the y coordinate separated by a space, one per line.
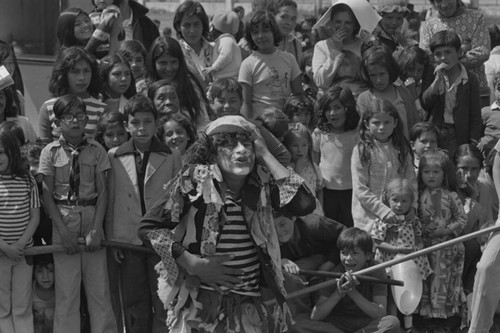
pixel 458 215
pixel 44 124
pixel 324 66
pixel 480 40
pixel 276 148
pixel 246 108
pixel 95 236
pixel 225 57
pixel 325 305
pixel 34 216
pixel 374 309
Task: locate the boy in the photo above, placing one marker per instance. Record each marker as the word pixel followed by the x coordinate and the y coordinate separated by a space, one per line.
pixel 140 168
pixel 452 99
pixel 43 293
pixel 75 197
pixel 491 120
pixel 226 98
pixel 424 136
pixel 351 305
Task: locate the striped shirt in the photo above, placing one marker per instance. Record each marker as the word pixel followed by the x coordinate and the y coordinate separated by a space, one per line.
pixel 48 129
pixel 235 240
pixel 17 197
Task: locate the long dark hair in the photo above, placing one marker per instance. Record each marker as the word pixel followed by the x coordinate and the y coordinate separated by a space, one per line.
pixel 5 51
pixel 190 8
pixel 11 109
pixel 106 66
pixel 65 28
pixel 11 146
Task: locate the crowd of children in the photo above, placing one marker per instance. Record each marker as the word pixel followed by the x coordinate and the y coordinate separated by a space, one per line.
pixel 202 159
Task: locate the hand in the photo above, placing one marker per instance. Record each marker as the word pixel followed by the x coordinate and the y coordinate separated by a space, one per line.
pixel 258 142
pixel 339 36
pixel 347 283
pixel 440 232
pixel 338 60
pixel 117 255
pixel 13 252
pixel 70 242
pixel 405 250
pixel 207 71
pixel 440 71
pixel 391 218
pixel 211 270
pixel 93 241
pixel 289 266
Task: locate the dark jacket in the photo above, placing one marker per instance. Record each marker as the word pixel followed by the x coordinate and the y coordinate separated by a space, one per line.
pixel 145 30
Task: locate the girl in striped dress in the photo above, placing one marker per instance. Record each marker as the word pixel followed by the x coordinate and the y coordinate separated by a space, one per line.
pixel 19 217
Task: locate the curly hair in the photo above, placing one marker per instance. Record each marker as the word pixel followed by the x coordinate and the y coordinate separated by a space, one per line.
pixel 266 19
pixel 344 95
pixel 295 104
pixel 190 8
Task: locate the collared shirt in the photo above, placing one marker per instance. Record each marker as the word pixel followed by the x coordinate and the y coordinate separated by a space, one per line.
pixel 451 94
pixel 55 161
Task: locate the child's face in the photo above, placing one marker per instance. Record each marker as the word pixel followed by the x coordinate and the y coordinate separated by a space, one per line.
pixel 346 69
pixel 191 29
pixel 391 22
pixel 468 169
pixel 79 77
pixel 400 203
pixel 101 4
pixel 114 136
pixel 44 276
pixel 416 72
pixel 166 100
pixel 284 228
pixel 425 142
pixel 119 79
pixel 381 125
pixel 73 124
pixel 83 27
pixel 136 63
pixel 228 103
pixel 355 259
pixel 167 67
pixel 264 39
pixel 286 19
pixel 142 127
pixel 299 147
pixel 432 176
pixel 4 161
pixel 176 136
pixel 336 115
pixel 302 116
pixel 379 77
pixel 447 55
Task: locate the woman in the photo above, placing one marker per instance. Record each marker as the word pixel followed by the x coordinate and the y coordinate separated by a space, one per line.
pixel 221 205
pixel 344 19
pixel 191 25
pixel 471 27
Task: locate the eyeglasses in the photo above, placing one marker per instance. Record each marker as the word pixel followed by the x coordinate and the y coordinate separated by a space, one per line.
pixel 67 118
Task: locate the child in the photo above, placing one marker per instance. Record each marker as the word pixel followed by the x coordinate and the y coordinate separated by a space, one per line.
pixel 75 197
pixel 165 60
pixel 226 98
pixel 380 71
pixel 452 99
pixel 424 136
pixel 491 121
pixel 135 53
pixel 75 72
pixel 388 30
pixel 9 113
pixel 43 293
pixel 298 141
pixel 118 83
pixel 405 236
pixel 305 244
pixel 179 133
pixel 443 218
pixel 111 130
pixel 19 217
pixel 352 305
pixel 308 85
pixel 9 60
pixel 383 153
pixel 285 14
pixel 140 168
pixel 268 75
pixel 226 57
pixel 333 142
pixel 346 73
pixel 300 109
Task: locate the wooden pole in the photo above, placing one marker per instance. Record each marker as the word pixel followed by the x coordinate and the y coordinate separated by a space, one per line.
pixel 360 277
pixel 396 261
pixel 36 250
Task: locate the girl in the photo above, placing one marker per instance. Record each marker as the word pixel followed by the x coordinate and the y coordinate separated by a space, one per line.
pixel 135 53
pixel 298 141
pixel 74 28
pixel 383 153
pixel 268 75
pixel 111 131
pixel 9 60
pixel 443 218
pixel 75 72
pixel 285 14
pixel 8 112
pixel 300 109
pixel 379 71
pixel 179 133
pixel 192 27
pixel 405 236
pixel 333 142
pixel 19 217
pixel 119 84
pixel 165 60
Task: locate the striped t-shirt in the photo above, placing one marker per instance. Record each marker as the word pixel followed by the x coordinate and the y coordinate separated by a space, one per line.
pixel 235 239
pixel 17 197
pixel 94 111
